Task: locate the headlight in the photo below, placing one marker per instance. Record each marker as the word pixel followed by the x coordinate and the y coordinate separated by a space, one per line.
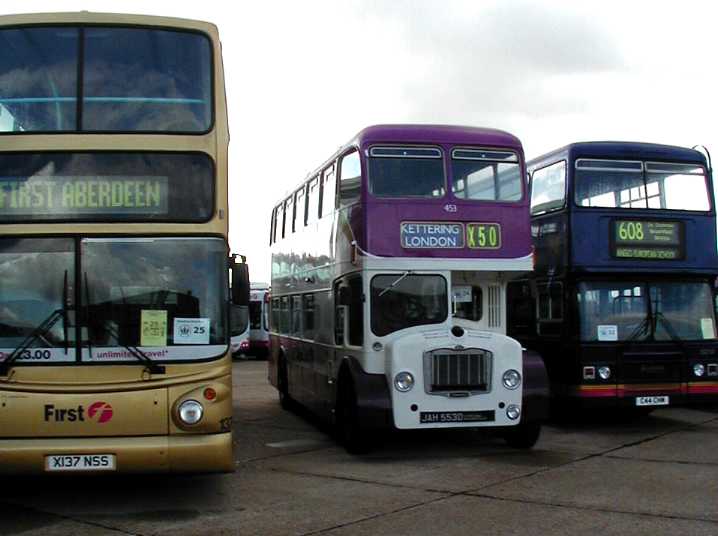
pixel 513 412
pixel 511 379
pixel 699 370
pixel 604 372
pixel 404 381
pixel 190 412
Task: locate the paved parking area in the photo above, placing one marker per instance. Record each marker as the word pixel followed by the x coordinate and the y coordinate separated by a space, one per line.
pixel 657 475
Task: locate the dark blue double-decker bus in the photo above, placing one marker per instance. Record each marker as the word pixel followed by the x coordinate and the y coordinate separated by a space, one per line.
pixel 621 303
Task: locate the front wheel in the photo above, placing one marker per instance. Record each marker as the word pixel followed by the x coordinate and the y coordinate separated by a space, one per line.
pixel 523 436
pixel 348 426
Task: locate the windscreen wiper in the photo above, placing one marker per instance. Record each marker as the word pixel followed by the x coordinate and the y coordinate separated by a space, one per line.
pixel 150 364
pixel 395 283
pixel 643 327
pixel 640 329
pixel 153 367
pixel 671 331
pixel 40 331
pixel 37 333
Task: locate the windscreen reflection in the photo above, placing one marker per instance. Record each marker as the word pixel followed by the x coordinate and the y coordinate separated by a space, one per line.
pixel 155 291
pixel 402 301
pixel 35 276
pixel 641 311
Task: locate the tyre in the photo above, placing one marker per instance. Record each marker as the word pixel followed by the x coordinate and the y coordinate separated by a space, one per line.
pixel 349 431
pixel 523 435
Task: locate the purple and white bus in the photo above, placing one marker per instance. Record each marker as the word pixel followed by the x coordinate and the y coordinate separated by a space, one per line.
pixel 389 272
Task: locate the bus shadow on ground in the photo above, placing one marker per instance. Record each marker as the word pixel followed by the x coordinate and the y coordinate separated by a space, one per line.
pixel 144 497
pixel 622 419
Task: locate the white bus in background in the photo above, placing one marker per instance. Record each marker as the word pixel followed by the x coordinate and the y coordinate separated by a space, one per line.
pixel 239 325
pixel 259 320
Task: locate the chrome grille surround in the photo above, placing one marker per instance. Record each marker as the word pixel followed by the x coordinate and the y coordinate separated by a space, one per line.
pixel 454 372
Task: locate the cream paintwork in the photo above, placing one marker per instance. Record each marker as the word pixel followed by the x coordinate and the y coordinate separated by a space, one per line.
pixel 215 143
pixel 154 454
pixel 208 445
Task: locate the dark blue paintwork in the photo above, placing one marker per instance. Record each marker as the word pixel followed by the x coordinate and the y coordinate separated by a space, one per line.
pixel 581 241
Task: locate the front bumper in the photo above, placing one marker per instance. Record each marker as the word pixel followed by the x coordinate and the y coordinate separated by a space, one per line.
pixel 625 395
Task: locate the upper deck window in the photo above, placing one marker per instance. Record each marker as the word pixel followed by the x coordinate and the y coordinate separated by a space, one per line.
pixel 406 172
pixel 349 179
pixel 677 186
pixel 329 191
pixel 639 185
pixel 313 200
pixel 548 188
pixel 130 80
pixel 300 211
pixel 488 175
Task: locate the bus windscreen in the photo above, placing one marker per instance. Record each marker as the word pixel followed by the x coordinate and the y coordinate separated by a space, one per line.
pixel 128 80
pixel 645 311
pixel 400 301
pixel 89 187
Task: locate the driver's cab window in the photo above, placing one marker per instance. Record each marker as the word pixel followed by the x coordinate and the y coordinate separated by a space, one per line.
pixel 467 302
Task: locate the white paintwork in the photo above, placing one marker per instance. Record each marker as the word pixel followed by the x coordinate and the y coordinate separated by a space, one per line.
pixel 406 353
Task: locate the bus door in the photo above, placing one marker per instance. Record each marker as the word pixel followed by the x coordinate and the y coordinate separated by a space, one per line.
pixel 348 321
pixel 550 329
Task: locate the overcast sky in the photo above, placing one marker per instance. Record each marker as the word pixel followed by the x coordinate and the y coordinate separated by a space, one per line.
pixel 304 76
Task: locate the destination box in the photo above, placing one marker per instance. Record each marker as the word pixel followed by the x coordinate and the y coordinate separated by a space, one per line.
pixel 432 235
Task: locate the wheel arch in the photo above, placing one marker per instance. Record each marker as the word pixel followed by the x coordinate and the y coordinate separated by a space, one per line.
pixel 371 390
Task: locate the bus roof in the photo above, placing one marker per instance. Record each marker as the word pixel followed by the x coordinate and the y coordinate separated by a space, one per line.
pixel 406 133
pixel 623 150
pixel 87 17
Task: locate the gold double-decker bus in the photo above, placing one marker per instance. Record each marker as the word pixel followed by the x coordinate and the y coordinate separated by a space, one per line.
pixel 114 260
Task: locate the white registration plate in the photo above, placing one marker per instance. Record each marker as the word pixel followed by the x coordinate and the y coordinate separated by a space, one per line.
pixel 80 462
pixel 652 401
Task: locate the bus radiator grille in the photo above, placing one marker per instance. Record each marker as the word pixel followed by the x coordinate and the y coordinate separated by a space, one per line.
pixel 452 371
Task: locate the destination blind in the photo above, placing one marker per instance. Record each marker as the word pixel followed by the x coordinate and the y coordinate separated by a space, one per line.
pixel 450 235
pixel 106 187
pixel 649 240
pixel 86 195
pixel 432 235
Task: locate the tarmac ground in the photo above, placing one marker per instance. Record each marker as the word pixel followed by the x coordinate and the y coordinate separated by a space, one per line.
pixel 651 475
